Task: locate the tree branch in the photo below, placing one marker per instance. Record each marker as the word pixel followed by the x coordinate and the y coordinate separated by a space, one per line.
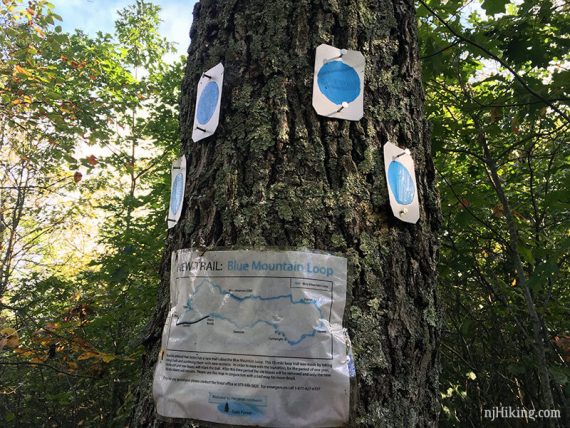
pixel 496 58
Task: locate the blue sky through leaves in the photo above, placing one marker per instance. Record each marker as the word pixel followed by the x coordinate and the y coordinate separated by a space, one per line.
pixel 91 16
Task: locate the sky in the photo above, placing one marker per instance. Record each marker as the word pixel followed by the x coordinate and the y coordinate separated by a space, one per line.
pixel 100 15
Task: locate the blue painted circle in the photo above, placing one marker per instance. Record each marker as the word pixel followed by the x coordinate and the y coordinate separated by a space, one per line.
pixel 176 194
pixel 207 103
pixel 338 82
pixel 401 183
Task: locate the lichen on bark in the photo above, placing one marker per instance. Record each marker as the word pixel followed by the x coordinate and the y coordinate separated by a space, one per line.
pixel 277 174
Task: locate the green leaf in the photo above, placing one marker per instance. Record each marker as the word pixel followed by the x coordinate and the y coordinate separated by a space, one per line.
pixel 468 327
pixel 526 254
pixel 492 7
pixel 559 374
pixel 516 369
pixel 541 275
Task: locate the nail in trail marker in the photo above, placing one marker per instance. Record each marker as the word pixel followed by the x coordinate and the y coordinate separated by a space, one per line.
pixel 177 191
pixel 402 187
pixel 338 86
pixel 208 99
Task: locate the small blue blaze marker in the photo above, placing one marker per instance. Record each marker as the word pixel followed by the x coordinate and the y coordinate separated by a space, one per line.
pixel 401 183
pixel 176 196
pixel 339 82
pixel 208 102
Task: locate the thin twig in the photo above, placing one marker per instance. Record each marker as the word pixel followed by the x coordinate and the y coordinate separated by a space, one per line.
pixel 496 58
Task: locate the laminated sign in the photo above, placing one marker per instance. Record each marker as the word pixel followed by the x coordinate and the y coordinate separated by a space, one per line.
pixel 255 338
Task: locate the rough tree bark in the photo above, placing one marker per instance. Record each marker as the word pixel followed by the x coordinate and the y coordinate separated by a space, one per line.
pixel 276 174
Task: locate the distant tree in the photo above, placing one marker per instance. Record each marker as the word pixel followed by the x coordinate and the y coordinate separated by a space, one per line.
pixel 498 91
pixel 54 91
pixel 87 130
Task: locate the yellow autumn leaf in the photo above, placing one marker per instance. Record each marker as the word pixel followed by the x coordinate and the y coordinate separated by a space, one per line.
pixel 22 70
pixel 107 358
pixel 11 336
pixel 87 355
pixel 8 331
pixel 39 31
pixel 52 326
pixel 24 352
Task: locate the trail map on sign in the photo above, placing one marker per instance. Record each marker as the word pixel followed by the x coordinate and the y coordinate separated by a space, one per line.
pixel 255 338
pixel 278 316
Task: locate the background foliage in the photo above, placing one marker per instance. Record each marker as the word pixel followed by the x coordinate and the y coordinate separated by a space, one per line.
pixel 497 83
pixel 88 129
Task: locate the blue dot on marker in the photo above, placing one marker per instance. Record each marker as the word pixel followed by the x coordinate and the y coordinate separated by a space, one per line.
pixel 207 103
pixel 339 82
pixel 176 196
pixel 401 183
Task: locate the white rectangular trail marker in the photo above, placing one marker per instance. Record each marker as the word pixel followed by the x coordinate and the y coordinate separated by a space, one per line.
pixel 402 186
pixel 208 101
pixel 178 183
pixel 255 338
pixel 338 83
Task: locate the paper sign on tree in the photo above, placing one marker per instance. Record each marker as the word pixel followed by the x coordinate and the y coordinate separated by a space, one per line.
pixel 338 86
pixel 178 183
pixel 401 179
pixel 208 100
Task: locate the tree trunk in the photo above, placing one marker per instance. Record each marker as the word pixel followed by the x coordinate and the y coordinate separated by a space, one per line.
pixel 276 174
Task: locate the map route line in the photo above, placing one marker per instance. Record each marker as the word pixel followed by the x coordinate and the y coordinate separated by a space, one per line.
pixel 193 322
pixel 274 325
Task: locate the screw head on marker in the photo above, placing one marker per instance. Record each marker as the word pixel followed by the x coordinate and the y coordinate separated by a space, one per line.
pixel 405 152
pixel 342 106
